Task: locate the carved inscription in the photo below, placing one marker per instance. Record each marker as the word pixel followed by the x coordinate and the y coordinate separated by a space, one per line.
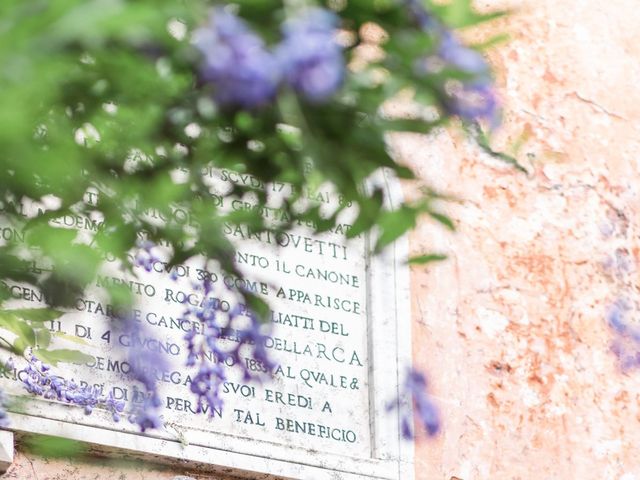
pixel 317 394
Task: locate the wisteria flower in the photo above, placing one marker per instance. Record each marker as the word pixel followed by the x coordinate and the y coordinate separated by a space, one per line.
pixel 471 98
pixel 222 336
pixel 460 56
pixel 206 386
pixel 4 417
pixel 310 56
pixel 147 415
pixel 236 62
pixel 39 380
pixel 417 11
pixel 145 367
pixel 626 340
pixel 414 393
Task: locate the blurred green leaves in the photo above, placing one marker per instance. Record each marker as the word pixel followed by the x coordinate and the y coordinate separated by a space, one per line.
pixel 32 329
pixel 428 258
pixel 53 447
pixel 102 108
pixel 52 357
pixel 25 335
pixel 461 13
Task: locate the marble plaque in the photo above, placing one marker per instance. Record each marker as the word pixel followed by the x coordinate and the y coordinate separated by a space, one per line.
pixel 339 337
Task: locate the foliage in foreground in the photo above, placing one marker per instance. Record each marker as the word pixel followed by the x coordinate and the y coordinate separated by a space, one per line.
pixel 115 116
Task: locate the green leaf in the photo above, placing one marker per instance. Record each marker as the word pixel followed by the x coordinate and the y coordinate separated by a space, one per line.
pixel 63 355
pixel 43 338
pixel 394 224
pixel 493 41
pixel 482 139
pixel 36 314
pixel 428 258
pixel 4 293
pixel 258 306
pixel 18 326
pixel 461 13
pixel 71 338
pixel 443 219
pixel 19 346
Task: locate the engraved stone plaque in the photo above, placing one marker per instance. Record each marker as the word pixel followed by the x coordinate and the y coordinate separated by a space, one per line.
pixel 338 339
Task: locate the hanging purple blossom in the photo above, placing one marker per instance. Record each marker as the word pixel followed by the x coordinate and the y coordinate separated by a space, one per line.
pixel 236 336
pixel 254 336
pixel 236 62
pixel 191 337
pixel 450 50
pixel 414 393
pixel 4 417
pixel 38 380
pixel 310 57
pixel 147 415
pixel 206 386
pixel 460 56
pixel 471 98
pixel 626 340
pixel 145 257
pixel 146 367
pixel 417 11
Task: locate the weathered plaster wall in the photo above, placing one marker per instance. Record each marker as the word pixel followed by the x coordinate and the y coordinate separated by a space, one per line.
pixel 513 327
pixel 35 467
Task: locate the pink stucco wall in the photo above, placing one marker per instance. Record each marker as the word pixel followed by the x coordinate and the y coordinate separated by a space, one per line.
pixel 512 328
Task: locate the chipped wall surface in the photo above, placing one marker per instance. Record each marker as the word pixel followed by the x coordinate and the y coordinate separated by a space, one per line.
pixel 512 328
pixel 34 467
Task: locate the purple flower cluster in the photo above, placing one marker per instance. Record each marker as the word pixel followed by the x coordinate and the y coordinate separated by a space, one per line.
pixel 146 366
pixel 471 98
pixel 472 101
pixel 147 415
pixel 461 57
pixel 236 61
pixel 310 57
pixel 206 386
pixel 4 417
pixel 415 393
pixel 144 256
pixel 238 328
pixel 40 381
pixel 245 74
pixel 626 341
pixel 225 337
pixel 422 18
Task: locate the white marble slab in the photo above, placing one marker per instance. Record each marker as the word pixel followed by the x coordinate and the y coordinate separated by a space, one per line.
pixel 341 337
